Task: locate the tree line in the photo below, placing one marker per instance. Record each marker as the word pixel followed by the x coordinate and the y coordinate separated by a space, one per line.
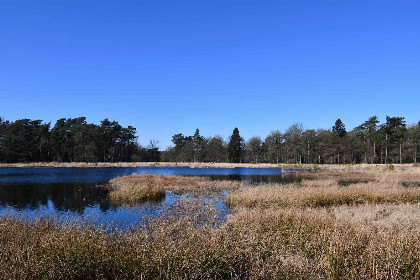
pixel 69 140
pixel 75 140
pixel 370 142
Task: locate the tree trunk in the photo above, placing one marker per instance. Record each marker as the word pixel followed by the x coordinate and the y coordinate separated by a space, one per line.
pixel 381 156
pixel 374 152
pixel 400 152
pixel 386 148
pixel 308 151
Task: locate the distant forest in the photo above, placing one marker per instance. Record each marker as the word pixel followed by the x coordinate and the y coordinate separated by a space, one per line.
pixel 75 140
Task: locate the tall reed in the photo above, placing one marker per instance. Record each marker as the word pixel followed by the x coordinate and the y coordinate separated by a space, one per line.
pixel 187 244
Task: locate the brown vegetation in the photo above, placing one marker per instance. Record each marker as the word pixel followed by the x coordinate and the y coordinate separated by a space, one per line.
pixel 133 189
pixel 313 243
pixel 368 231
pixel 322 193
pixel 400 174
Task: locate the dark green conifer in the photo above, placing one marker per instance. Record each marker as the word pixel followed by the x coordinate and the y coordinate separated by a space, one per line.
pixel 236 146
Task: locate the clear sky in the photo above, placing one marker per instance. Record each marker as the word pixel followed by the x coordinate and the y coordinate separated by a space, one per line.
pixel 171 66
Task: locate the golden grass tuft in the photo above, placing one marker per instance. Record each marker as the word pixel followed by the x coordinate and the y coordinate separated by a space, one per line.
pixel 134 189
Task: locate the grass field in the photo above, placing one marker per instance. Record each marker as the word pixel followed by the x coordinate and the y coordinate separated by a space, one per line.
pixel 335 225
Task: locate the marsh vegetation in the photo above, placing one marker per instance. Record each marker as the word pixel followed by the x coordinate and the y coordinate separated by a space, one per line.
pixel 367 230
pixel 134 189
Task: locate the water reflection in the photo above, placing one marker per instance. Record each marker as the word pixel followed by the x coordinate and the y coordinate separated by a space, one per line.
pixel 64 197
pixel 80 193
pixel 10 175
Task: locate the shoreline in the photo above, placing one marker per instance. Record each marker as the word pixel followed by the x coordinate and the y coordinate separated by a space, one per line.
pixel 311 167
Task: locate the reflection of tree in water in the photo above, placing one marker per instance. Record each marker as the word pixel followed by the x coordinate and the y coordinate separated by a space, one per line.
pixel 64 196
pixel 24 196
pixel 76 197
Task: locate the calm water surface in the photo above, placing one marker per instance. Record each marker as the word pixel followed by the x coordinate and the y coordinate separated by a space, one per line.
pixel 69 193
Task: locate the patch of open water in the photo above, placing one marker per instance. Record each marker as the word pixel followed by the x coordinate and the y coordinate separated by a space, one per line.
pixel 73 193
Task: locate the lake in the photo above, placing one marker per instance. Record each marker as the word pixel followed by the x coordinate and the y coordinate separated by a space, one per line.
pixel 76 193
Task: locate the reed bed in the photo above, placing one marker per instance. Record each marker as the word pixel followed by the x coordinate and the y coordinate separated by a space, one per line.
pixel 322 193
pixel 130 190
pixel 186 243
pixel 312 243
pixel 370 175
pixel 373 217
pixel 314 229
pixel 134 190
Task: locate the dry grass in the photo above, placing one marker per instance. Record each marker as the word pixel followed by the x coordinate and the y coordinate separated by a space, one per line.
pixel 134 189
pixel 322 193
pixel 373 217
pixel 178 246
pixel 313 244
pixel 186 244
pixel 372 175
pixel 369 231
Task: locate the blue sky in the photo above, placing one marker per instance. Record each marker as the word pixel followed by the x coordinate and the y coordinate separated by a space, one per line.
pixel 171 66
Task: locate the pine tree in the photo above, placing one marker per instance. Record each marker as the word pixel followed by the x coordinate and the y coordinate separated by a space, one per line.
pixel 198 145
pixel 339 128
pixel 235 147
pixel 395 130
pixel 339 132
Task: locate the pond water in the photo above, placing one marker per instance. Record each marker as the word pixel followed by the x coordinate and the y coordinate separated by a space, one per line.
pixel 70 193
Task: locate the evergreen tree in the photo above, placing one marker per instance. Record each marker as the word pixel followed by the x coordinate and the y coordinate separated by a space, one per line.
pixel 198 142
pixel 394 130
pixel 235 147
pixel 339 132
pixel 21 140
pixel 3 127
pixel 339 129
pixel 368 133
